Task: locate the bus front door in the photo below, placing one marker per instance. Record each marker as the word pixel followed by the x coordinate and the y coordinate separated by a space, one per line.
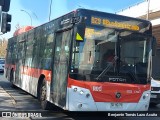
pixel 60 67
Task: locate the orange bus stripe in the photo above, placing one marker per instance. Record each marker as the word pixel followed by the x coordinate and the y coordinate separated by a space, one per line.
pixel 33 72
pixel 108 90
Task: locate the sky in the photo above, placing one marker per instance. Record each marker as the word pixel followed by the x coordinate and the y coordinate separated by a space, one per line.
pixel 36 12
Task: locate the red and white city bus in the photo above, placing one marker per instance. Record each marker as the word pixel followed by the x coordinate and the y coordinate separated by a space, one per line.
pixel 85 61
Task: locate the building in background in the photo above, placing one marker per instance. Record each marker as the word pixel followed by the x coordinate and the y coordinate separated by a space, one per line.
pixel 148 9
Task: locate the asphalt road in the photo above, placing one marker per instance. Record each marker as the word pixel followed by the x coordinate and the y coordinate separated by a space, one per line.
pixel 18 101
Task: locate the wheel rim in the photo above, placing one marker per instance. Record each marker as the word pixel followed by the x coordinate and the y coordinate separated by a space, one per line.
pixel 43 93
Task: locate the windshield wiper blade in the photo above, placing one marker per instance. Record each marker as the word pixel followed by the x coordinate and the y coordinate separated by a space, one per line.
pixel 107 68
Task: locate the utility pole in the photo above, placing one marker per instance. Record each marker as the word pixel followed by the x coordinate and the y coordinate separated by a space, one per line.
pixel 0 14
pixel 50 10
pixel 148 4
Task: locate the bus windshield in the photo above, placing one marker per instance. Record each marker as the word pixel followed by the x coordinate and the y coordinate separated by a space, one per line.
pixel 107 55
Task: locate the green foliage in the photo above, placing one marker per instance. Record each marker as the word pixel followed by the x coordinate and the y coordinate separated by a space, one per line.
pixel 3 47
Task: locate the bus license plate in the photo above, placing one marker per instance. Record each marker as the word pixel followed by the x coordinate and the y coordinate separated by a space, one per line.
pixel 116 105
pixel 153 96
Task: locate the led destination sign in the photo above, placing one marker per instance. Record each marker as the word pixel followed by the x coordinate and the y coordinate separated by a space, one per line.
pixel 108 23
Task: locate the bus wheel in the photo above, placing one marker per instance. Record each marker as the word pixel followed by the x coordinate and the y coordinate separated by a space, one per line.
pixel 43 95
pixel 12 78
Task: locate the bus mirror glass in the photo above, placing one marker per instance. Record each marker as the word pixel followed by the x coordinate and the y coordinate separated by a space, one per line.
pixel 154 45
pixel 80 32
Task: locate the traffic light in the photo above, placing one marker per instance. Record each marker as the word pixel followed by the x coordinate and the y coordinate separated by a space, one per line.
pixel 5 5
pixel 5 25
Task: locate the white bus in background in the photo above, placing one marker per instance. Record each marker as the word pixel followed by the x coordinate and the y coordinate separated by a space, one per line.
pixel 155 92
pixel 2 62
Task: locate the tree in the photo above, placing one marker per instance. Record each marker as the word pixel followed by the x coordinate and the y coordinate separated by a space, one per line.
pixel 3 47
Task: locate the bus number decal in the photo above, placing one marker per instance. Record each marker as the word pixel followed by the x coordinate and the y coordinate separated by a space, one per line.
pixel 97 88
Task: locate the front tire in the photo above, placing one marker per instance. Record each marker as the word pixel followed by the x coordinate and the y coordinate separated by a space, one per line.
pixel 12 79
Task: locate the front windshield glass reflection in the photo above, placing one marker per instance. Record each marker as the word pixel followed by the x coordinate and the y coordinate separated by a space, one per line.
pixel 134 56
pixel 106 55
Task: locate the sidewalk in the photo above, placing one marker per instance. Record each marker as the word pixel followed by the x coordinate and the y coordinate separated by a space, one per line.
pixel 6 101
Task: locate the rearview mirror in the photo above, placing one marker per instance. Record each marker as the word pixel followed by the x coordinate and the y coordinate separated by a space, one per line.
pixel 80 31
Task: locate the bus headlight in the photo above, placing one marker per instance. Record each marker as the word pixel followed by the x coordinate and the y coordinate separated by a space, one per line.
pixel 81 92
pixel 75 89
pixel 146 96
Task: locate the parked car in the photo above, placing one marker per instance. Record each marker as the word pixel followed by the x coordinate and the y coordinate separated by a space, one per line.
pixel 155 92
pixel 2 62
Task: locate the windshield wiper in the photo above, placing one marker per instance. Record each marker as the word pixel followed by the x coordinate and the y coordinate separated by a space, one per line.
pixel 107 68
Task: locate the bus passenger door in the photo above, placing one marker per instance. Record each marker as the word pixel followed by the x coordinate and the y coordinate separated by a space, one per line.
pixel 60 67
pixel 20 62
